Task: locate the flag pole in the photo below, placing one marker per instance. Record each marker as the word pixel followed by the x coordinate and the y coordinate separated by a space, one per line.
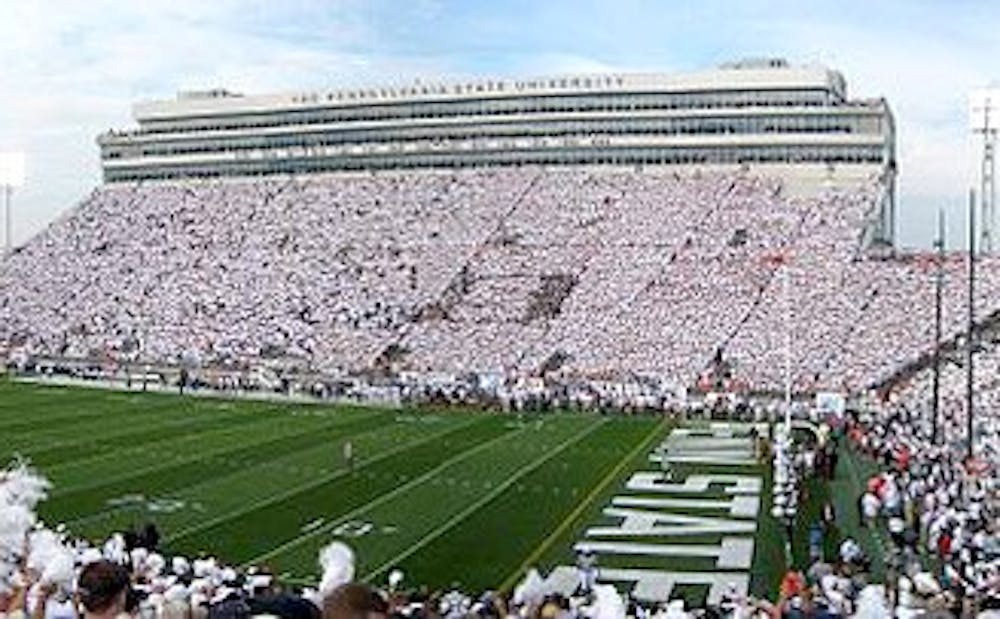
pixel 788 349
pixel 938 285
pixel 970 334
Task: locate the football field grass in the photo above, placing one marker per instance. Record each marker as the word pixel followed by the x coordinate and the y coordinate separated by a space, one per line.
pixel 450 497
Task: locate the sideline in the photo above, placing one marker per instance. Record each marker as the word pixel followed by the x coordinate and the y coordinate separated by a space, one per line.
pixel 216 394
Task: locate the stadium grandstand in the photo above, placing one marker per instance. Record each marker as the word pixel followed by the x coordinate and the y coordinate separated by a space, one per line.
pixel 749 112
pixel 586 226
pixel 577 225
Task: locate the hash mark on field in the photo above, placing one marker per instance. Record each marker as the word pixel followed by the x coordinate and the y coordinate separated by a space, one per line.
pixel 316 482
pixel 315 524
pixel 279 549
pixel 485 499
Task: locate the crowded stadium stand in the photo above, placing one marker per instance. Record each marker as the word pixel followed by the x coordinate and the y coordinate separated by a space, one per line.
pixel 312 230
pixel 754 111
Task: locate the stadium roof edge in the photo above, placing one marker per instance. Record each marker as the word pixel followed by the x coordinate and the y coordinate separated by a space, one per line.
pixel 735 76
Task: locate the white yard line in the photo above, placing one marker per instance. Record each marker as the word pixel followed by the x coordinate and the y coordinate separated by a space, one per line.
pixel 223 433
pixel 138 449
pixel 486 498
pixel 107 513
pixel 205 524
pixel 536 554
pixel 90 437
pixel 386 497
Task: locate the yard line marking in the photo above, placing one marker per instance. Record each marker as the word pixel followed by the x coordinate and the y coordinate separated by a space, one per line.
pixel 315 483
pixel 106 513
pixel 486 498
pixel 12 410
pixel 179 423
pixel 224 416
pixel 536 554
pixel 57 427
pixel 416 481
pixel 221 433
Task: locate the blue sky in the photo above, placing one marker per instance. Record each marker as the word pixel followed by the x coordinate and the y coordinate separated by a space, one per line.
pixel 69 69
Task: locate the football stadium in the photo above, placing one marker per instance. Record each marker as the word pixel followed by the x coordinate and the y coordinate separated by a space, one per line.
pixel 589 345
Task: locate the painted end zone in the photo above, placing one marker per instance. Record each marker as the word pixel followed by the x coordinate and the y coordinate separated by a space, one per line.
pixel 685 520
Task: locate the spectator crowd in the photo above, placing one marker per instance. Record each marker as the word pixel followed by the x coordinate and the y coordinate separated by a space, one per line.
pixel 513 272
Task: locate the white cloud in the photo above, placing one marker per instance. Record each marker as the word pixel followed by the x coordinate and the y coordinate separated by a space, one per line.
pixel 76 68
pixel 927 78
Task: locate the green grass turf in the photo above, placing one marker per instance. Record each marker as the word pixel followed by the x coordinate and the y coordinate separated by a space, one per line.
pixel 853 472
pixel 768 561
pixel 448 496
pixel 537 508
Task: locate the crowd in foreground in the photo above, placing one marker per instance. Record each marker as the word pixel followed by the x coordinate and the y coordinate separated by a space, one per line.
pixel 929 516
pixel 937 507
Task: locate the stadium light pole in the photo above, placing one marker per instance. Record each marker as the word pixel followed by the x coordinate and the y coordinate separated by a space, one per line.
pixel 981 117
pixel 7 236
pixel 11 177
pixel 788 348
pixel 938 286
pixel 970 334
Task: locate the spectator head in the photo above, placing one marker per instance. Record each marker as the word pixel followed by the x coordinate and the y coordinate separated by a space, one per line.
pixel 355 601
pixel 103 589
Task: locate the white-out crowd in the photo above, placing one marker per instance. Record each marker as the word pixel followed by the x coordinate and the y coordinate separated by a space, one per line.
pixel 939 509
pixel 610 272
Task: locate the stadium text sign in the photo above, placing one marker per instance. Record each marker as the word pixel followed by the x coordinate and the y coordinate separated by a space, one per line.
pixel 662 521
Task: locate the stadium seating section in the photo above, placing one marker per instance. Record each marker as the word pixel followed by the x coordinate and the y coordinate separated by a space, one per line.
pixel 578 271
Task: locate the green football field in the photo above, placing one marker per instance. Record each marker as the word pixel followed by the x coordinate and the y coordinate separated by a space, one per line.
pixel 450 497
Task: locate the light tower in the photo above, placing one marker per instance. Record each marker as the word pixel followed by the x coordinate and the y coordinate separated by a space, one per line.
pixel 11 177
pixel 985 108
